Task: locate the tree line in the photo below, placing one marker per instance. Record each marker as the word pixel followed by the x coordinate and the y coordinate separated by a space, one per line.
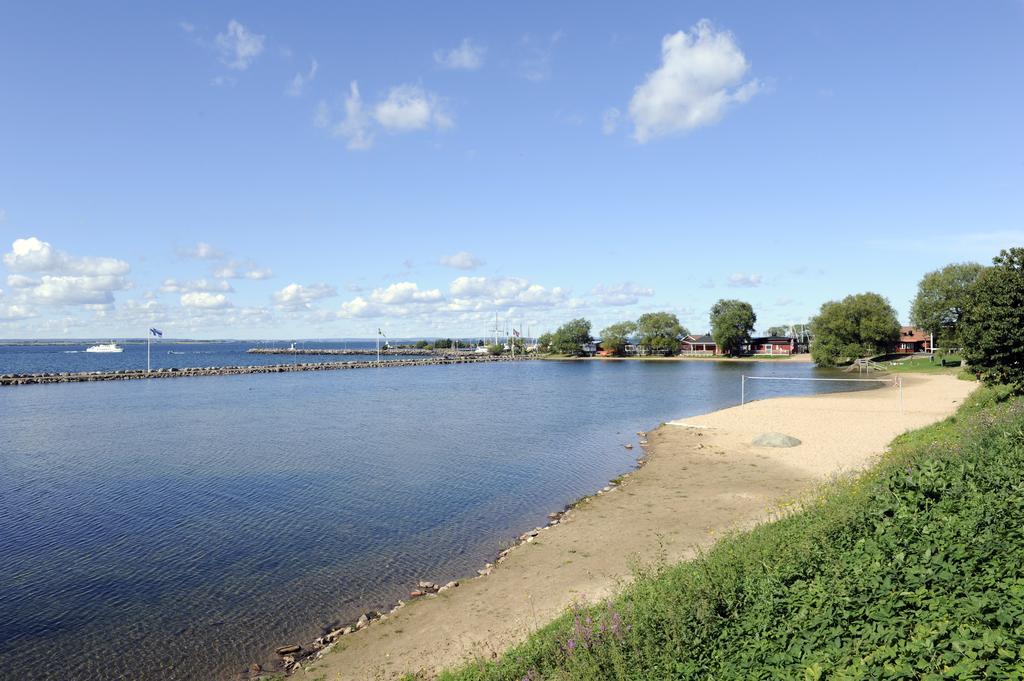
pixel 970 307
pixel 659 333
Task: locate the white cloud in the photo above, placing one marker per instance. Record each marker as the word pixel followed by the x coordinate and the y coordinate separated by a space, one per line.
pixel 298 295
pixel 742 280
pixel 34 255
pixel 238 46
pixel 463 260
pixel 701 74
pixel 355 128
pixel 201 251
pixel 397 300
pixel 468 56
pixel 65 279
pixel 238 270
pixel 205 300
pixel 610 121
pixel 536 65
pixel 13 313
pixel 406 108
pixel 75 290
pixel 186 26
pixel 626 293
pixel 484 292
pixel 409 107
pixel 20 281
pixel 175 286
pixel 301 80
pixel 404 292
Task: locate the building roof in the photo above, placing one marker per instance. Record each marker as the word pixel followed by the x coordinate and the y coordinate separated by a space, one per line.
pixel 704 338
pixel 911 334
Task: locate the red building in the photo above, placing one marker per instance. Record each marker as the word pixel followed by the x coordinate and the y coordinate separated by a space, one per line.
pixel 771 345
pixel 913 340
pixel 699 345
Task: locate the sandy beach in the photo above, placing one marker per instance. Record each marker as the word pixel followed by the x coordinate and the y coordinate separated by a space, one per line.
pixel 702 477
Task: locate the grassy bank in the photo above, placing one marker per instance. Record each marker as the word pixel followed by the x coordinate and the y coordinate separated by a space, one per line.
pixel 913 570
pixel 925 365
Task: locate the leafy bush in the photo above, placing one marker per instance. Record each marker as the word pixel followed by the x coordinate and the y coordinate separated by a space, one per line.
pixel 914 570
pixel 992 324
pixel 856 326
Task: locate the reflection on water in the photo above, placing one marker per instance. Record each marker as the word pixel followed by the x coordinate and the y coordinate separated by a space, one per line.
pixel 181 529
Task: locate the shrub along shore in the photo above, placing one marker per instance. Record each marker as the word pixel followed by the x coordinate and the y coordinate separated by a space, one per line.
pixel 913 570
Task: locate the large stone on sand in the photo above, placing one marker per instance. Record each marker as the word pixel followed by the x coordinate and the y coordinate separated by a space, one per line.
pixel 775 440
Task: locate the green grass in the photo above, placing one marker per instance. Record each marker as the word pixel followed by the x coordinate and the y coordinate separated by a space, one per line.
pixel 913 570
pixel 923 365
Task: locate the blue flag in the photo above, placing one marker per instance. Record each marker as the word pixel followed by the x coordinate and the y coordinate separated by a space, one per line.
pixel 157 332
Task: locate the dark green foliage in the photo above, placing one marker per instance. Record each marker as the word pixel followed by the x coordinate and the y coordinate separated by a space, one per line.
pixel 495 348
pixel 857 326
pixel 777 331
pixel 615 337
pixel 448 344
pixel 569 338
pixel 915 570
pixel 732 322
pixel 660 332
pixel 941 298
pixel 544 342
pixel 992 326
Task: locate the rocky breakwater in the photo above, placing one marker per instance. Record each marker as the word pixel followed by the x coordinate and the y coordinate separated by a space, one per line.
pixel 129 375
pixel 408 352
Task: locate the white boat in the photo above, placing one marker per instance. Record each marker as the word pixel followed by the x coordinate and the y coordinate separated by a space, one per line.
pixel 105 347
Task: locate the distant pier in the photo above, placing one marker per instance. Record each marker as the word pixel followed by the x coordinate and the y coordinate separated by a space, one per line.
pixel 425 352
pixel 130 375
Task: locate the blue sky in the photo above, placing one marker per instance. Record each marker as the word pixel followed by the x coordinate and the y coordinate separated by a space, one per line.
pixel 256 170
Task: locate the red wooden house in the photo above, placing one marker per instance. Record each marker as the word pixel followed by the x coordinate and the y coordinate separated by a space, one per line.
pixel 772 345
pixel 699 345
pixel 913 340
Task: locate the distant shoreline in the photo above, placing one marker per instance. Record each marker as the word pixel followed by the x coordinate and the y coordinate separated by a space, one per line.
pixel 803 358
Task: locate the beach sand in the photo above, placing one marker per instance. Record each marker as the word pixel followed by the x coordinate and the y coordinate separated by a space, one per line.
pixel 702 478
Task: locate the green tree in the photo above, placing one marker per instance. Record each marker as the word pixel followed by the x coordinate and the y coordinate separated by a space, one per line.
pixel 495 348
pixel 615 337
pixel 732 322
pixel 777 331
pixel 660 331
pixel 569 338
pixel 422 345
pixel 544 342
pixel 857 326
pixel 941 298
pixel 992 323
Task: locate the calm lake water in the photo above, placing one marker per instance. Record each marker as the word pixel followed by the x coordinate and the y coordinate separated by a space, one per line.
pixel 55 358
pixel 181 529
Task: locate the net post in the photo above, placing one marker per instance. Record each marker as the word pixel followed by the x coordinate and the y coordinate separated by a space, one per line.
pixel 743 389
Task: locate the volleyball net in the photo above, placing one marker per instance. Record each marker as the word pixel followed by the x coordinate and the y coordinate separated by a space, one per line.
pixel 895 381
